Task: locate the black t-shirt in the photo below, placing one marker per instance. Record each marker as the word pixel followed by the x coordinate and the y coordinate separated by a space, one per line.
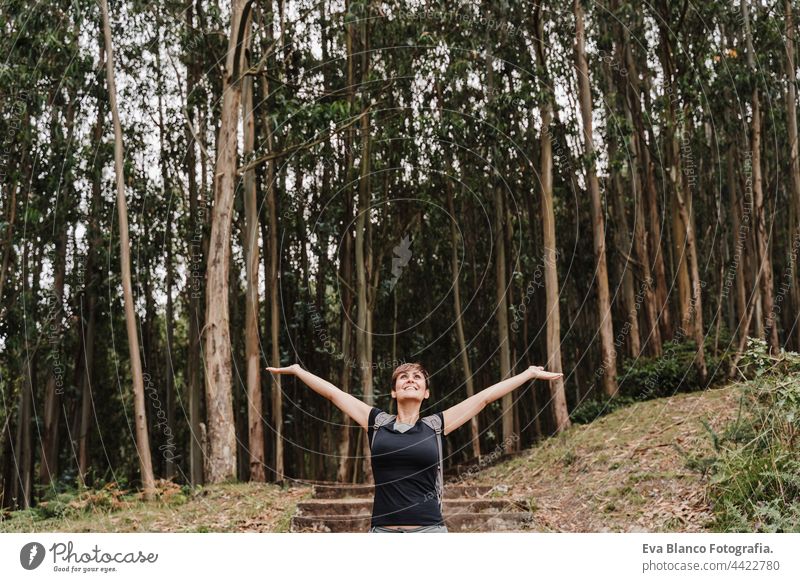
pixel 405 466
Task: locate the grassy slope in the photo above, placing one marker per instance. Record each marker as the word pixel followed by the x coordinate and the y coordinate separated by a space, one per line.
pixel 628 471
pixel 235 507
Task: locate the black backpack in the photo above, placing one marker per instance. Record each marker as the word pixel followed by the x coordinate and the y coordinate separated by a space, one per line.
pixel 434 421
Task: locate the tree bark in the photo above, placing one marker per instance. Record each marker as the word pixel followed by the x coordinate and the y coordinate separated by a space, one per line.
pixel 557 392
pixel 608 353
pixel 794 208
pixel 347 471
pixel 48 465
pixel 221 451
pixel 673 159
pixel 255 428
pixel 363 253
pixel 685 213
pixel 90 293
pixel 761 240
pixel 649 204
pixel 196 282
pixel 646 296
pixel 142 438
pixel 459 315
pixel 8 244
pixel 501 278
pixel 274 276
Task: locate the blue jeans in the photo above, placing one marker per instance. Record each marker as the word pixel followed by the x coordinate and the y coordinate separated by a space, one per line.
pixel 420 529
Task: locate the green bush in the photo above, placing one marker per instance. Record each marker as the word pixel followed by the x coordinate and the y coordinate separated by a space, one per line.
pixel 64 502
pixel 75 501
pixel 755 470
pixel 674 371
pixel 592 409
pixel 645 378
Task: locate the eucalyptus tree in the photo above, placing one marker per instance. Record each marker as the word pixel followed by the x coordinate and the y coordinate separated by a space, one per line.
pixel 609 357
pixel 142 437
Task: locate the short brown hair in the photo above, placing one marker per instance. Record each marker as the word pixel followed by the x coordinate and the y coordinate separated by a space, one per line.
pixel 408 367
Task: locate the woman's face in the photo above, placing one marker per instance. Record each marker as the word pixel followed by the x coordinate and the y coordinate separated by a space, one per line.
pixel 410 385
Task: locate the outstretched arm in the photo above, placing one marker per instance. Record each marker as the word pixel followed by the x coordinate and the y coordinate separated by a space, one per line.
pixel 457 415
pixel 347 403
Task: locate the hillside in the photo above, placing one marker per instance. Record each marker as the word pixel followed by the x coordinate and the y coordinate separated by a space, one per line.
pixel 628 471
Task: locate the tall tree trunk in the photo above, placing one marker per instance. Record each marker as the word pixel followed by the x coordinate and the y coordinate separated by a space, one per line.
pixel 535 226
pixel 86 382
pixel 646 295
pixel 608 353
pixel 169 371
pixel 166 423
pixel 221 453
pixel 459 315
pixel 762 242
pixel 347 470
pixel 272 269
pixel 649 203
pixel 558 396
pixel 501 297
pixel 21 489
pixel 624 244
pixel 140 412
pixel 653 340
pixel 739 240
pixel 9 468
pixel 274 316
pixel 195 286
pixel 362 257
pixel 8 244
pixel 622 237
pixel 252 349
pixel 684 198
pixel 48 466
pixel 794 207
pixel 90 293
pixel 501 279
pixel 673 160
pixel 363 252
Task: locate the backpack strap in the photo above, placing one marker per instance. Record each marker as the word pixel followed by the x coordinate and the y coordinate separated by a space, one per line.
pixel 434 421
pixel 381 419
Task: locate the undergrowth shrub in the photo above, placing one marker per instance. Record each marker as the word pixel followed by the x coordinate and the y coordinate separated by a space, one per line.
pixel 649 377
pixel 754 472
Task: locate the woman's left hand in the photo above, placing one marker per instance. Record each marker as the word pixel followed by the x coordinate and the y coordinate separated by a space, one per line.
pixel 539 373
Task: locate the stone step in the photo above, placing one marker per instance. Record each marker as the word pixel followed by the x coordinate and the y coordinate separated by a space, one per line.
pixel 363 507
pixel 459 522
pixel 333 490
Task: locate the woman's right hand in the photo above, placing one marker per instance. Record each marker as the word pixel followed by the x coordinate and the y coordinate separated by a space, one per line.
pixel 293 369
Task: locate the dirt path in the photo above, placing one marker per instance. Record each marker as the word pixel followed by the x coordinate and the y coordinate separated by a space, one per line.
pixel 628 471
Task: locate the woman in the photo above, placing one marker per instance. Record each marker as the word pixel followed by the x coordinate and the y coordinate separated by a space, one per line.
pixel 405 454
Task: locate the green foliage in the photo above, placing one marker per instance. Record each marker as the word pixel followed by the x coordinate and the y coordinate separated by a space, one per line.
pixel 645 378
pixel 755 471
pixel 594 408
pixel 756 361
pixel 70 502
pixel 674 371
